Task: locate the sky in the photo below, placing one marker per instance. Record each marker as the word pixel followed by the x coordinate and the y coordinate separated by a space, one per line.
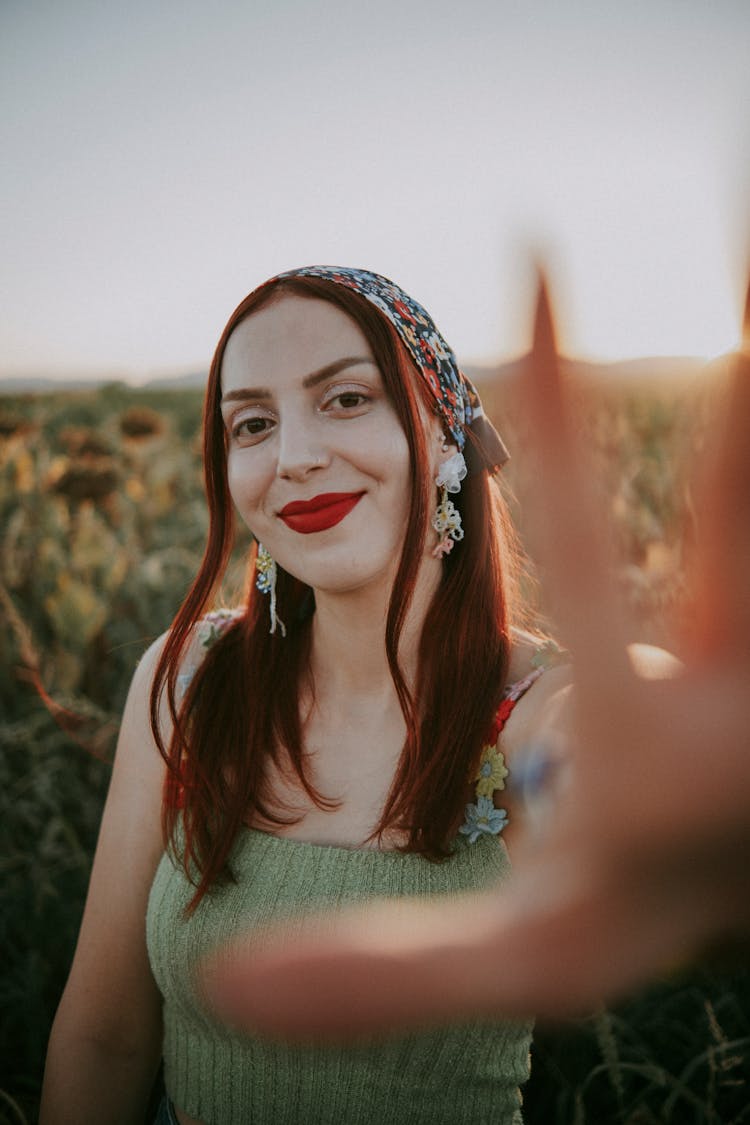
pixel 160 160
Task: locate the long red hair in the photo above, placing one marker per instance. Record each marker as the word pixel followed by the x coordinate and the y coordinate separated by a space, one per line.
pixel 243 702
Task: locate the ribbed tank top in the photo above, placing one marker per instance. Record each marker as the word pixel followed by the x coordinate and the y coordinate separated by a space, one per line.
pixel 469 1073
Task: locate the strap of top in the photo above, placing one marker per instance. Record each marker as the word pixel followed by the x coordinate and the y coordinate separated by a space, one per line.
pixel 481 816
pixel 208 630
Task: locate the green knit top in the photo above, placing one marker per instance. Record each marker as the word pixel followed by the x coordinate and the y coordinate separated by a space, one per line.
pixel 469 1073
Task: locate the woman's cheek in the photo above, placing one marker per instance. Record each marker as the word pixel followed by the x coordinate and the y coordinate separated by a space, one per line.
pixel 245 485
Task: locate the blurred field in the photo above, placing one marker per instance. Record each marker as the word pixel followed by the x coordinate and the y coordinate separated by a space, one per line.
pixel 103 523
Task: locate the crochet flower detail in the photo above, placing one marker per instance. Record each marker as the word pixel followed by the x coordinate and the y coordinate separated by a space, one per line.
pixel 444 547
pixel 215 624
pixel 447 524
pixel 451 472
pixel 447 520
pixel 492 772
pixel 265 567
pixel 208 630
pixel 483 818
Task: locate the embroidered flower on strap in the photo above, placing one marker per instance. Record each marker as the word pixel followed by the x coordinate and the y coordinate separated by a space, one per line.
pixel 214 624
pixel 483 818
pixel 208 630
pixel 492 772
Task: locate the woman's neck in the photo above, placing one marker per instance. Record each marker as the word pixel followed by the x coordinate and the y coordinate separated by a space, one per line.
pixel 348 654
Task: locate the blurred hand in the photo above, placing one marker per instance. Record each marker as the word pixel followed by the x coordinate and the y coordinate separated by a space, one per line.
pixel 643 861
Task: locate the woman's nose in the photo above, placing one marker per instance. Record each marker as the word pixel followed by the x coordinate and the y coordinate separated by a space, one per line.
pixel 299 451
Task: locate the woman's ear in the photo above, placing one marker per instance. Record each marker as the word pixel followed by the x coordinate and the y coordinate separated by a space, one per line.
pixel 442 447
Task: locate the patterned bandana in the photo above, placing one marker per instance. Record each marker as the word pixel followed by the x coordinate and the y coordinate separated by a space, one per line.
pixel 455 396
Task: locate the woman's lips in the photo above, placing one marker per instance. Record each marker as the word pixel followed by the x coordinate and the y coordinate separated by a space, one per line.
pixel 320 513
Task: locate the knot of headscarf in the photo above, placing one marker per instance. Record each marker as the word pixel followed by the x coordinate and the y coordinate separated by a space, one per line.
pixel 456 397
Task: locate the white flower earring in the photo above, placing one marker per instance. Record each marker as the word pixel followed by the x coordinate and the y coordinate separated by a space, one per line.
pixel 447 518
pixel 265 580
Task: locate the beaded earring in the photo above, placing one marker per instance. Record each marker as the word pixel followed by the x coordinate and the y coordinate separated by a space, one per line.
pixel 265 580
pixel 447 518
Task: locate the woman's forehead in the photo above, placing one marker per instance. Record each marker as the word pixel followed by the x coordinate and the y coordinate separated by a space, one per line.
pixel 292 335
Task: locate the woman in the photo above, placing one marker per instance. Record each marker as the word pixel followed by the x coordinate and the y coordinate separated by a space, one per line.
pixel 337 739
pixel 643 864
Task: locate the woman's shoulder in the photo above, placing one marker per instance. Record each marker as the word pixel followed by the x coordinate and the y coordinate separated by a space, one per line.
pixel 540 682
pixel 213 625
pixel 540 676
pixel 538 670
pixel 537 657
pixel 532 652
pixel 204 635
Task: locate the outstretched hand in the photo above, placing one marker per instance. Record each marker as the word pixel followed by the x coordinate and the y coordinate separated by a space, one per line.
pixel 644 857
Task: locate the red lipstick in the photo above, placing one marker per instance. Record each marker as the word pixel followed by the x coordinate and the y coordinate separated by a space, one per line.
pixel 320 513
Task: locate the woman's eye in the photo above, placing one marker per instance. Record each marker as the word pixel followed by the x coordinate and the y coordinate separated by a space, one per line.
pixel 249 428
pixel 348 400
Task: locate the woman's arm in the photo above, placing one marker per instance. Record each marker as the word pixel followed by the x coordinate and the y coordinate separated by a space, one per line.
pixel 105 1045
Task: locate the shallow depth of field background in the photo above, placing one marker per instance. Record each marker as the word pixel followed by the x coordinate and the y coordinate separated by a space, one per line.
pixel 159 161
pixel 103 520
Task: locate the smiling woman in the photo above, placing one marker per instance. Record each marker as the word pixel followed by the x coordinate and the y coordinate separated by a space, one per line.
pixel 321 443
pixel 355 752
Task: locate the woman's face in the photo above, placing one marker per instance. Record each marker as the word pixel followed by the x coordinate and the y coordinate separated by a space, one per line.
pixel 318 463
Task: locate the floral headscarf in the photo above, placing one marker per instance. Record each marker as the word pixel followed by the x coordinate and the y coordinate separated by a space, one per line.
pixel 455 396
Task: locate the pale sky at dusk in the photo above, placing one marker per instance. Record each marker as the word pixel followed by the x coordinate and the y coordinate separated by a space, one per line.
pixel 160 159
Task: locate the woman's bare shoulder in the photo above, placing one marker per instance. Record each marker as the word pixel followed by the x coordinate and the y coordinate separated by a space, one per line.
pixel 546 704
pixel 537 652
pixel 537 657
pixel 203 635
pixel 136 717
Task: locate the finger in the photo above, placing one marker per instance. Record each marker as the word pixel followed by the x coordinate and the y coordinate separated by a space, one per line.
pixel 387 967
pixel 556 946
pixel 568 524
pixel 722 584
pixel 397 967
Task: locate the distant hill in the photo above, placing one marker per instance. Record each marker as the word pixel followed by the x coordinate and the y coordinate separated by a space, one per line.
pixel 44 384
pixel 632 373
pixel 189 380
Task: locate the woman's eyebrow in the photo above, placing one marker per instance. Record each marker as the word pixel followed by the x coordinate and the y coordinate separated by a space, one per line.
pixel 308 381
pixel 333 369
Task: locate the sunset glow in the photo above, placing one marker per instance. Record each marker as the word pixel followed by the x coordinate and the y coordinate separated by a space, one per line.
pixel 160 161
